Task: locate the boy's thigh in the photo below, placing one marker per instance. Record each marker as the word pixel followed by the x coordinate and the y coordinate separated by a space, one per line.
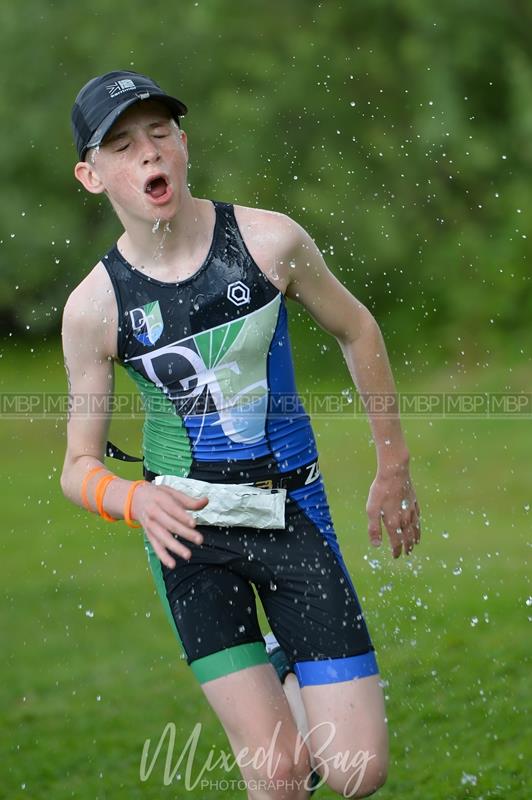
pixel 311 603
pixel 348 735
pixel 212 609
pixel 253 709
pixel 217 622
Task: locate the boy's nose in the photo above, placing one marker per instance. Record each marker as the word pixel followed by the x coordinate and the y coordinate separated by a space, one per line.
pixel 149 151
pixel 150 154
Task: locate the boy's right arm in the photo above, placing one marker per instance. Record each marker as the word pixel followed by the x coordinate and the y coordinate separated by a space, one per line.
pixel 162 511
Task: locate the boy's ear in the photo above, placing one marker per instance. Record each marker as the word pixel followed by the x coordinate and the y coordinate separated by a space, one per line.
pixel 88 177
pixel 184 141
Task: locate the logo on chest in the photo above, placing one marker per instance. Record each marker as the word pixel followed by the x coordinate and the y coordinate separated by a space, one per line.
pixel 238 293
pixel 147 323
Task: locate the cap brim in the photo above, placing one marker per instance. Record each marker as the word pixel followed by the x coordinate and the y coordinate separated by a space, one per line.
pixel 177 108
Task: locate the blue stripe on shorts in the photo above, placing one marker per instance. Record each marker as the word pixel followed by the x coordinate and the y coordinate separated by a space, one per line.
pixel 335 670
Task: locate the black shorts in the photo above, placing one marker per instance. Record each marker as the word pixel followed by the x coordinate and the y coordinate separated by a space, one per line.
pixel 301 580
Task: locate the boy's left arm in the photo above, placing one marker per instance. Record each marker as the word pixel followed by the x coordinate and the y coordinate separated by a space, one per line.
pixel 392 497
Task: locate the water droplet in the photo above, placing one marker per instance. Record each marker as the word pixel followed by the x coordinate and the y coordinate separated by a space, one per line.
pixel 273 272
pixel 89 613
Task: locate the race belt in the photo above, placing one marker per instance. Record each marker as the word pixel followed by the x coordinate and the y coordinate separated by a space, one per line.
pixel 295 479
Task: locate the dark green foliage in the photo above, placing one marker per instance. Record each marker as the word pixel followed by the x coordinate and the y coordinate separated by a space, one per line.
pixel 399 134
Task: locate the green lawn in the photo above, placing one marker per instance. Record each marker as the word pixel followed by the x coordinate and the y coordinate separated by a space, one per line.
pixel 91 667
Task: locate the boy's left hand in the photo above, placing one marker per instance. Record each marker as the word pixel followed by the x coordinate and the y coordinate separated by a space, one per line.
pixel 392 499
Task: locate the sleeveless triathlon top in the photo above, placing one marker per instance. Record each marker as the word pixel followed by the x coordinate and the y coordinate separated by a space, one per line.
pixel 212 360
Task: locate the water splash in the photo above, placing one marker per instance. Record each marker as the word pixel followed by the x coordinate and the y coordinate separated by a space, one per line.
pixel 157 253
pixel 466 778
pixel 274 275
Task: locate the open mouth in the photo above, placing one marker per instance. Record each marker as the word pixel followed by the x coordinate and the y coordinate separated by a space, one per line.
pixel 156 187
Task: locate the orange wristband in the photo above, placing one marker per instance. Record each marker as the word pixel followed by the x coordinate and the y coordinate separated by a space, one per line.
pixel 101 487
pixel 127 506
pixel 84 485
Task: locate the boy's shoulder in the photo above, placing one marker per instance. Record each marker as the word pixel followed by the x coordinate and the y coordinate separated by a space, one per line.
pixel 91 308
pixel 273 232
pixel 92 292
pixel 265 220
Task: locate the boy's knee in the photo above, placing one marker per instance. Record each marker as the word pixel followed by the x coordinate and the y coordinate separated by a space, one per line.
pixel 360 781
pixel 287 779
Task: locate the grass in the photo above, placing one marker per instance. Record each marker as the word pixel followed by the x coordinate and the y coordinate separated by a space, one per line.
pixel 91 668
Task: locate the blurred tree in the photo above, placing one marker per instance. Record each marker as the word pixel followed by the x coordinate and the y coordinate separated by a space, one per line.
pixel 399 134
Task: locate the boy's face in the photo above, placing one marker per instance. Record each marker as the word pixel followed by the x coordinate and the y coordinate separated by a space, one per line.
pixel 141 164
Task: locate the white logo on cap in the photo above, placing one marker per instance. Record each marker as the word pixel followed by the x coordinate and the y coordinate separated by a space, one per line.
pixel 120 86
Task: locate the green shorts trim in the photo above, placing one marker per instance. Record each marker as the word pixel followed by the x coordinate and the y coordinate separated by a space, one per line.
pixel 233 659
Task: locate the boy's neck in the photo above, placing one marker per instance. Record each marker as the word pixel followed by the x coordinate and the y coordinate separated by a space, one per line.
pixel 171 249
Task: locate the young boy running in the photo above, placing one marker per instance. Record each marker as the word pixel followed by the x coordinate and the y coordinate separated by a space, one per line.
pixel 191 302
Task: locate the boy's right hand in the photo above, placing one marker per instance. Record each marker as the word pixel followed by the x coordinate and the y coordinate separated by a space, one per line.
pixel 163 513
